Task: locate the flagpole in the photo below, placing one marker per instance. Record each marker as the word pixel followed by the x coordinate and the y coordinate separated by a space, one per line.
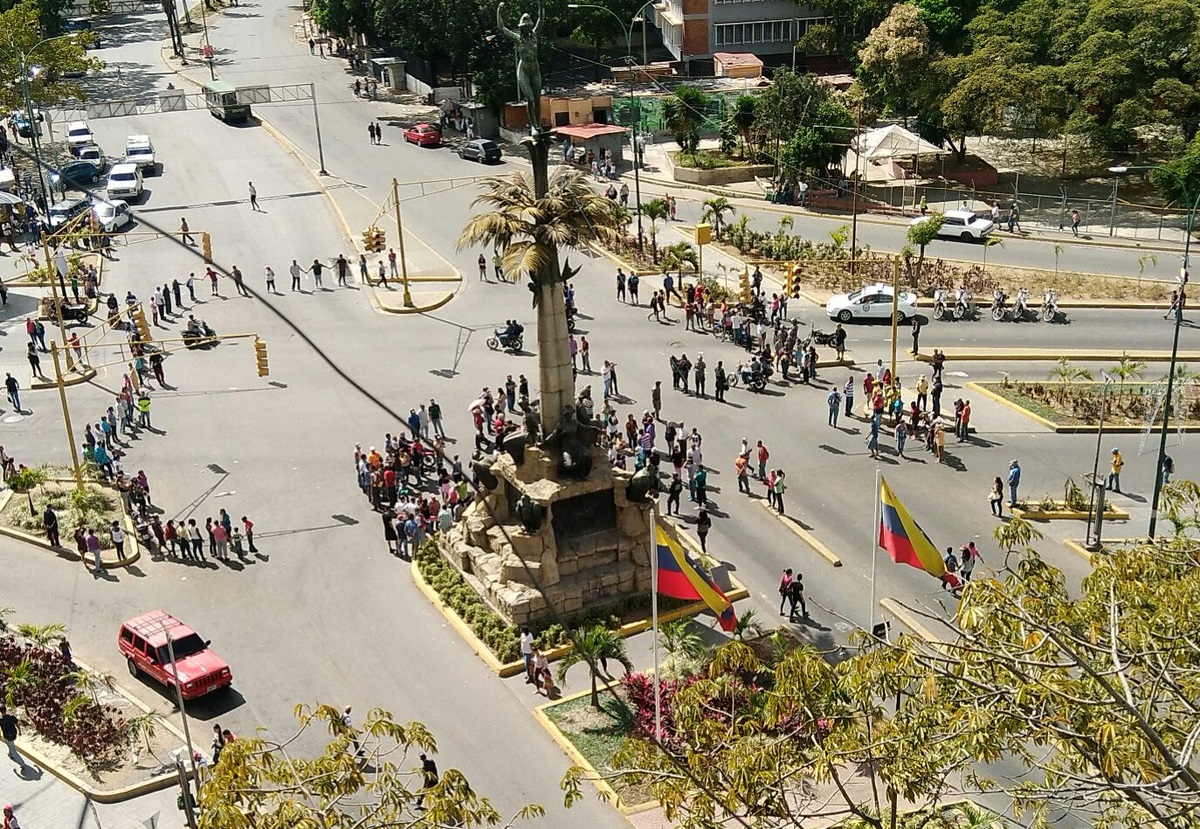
pixel 654 612
pixel 874 552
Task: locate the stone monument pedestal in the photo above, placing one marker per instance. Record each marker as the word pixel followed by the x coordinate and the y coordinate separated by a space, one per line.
pixel 591 548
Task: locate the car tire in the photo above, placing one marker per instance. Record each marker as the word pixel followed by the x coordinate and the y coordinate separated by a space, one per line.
pixel 965 236
pixel 132 666
pixel 844 315
pixel 901 317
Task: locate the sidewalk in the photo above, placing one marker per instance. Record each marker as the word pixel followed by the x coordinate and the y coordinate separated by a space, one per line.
pixel 45 802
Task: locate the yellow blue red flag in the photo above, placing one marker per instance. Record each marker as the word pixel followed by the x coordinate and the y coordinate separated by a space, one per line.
pixel 903 537
pixel 682 578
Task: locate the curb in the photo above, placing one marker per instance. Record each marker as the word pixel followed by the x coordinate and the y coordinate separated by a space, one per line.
pixel 606 791
pixel 621 263
pixel 1067 514
pixel 1078 548
pixel 415 309
pixel 804 535
pixel 509 669
pixel 1057 428
pixel 1046 355
pixel 904 617
pixel 135 790
pixel 135 549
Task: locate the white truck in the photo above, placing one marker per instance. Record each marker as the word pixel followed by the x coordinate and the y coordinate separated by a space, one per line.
pixel 140 151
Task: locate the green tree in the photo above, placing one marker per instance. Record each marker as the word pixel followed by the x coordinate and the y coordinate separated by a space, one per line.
pixel 41 636
pixel 529 231
pixel 1179 182
pixel 805 153
pixel 794 101
pixel 921 234
pixel 655 211
pixel 144 727
pixel 1127 368
pixel 1085 687
pixel 684 113
pixel 894 58
pixel 742 116
pixel 715 210
pixel 49 62
pixel 593 647
pixel 676 256
pixel 264 782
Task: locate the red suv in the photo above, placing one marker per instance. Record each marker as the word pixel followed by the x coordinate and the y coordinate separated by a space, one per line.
pixel 143 640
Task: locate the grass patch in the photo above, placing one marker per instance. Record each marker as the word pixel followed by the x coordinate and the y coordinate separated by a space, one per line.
pixel 597 734
pixel 707 161
pixel 1078 404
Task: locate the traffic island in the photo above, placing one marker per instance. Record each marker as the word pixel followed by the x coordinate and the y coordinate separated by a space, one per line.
pixel 427 293
pixel 1074 407
pixel 81 726
pixel 24 503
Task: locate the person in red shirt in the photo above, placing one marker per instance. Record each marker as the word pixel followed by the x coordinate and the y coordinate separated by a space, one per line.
pixel 763 454
pixel 389 485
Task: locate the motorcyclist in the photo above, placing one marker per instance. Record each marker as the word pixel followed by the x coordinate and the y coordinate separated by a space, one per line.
pixel 997 296
pixel 960 298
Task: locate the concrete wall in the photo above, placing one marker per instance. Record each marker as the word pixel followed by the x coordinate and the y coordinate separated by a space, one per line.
pixel 722 175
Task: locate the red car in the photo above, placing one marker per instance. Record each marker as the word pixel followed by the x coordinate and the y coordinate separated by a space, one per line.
pixel 143 640
pixel 423 135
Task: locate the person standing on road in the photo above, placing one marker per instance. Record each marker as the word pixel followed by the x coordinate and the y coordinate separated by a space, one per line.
pixel 295 271
pixel 996 497
pixel 1114 471
pixel 916 335
pixel 253 196
pixel 343 270
pixel 371 132
pixel 191 286
pixel 391 257
pixel 762 455
pixel 701 374
pixel 964 422
pixel 14 390
pixel 839 342
pixel 185 232
pixel 435 418
pixel 620 285
pixel 118 539
pixel 703 525
pixel 482 268
pixel 237 282
pixel 785 587
pixel 93 546
pixel 248 525
pixel 835 402
pixel 796 596
pixel 50 523
pixel 778 488
pixel 316 269
pixel 1074 222
pixel 212 280
pixel 270 272
pixel 35 364
pixel 1014 481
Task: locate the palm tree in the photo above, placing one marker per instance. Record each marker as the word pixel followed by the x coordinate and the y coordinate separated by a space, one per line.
pixel 1127 368
pixel 714 212
pixel 746 625
pixel 40 636
pixel 678 255
pixel 529 230
pixel 21 679
pixel 594 646
pixel 1065 373
pixel 655 211
pixel 682 642
pixel 743 115
pixel 144 727
pixel 622 217
pixel 683 113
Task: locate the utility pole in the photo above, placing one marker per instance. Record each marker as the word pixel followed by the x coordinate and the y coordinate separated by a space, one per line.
pixel 408 302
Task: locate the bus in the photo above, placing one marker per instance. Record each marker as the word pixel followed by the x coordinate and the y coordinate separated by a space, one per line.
pixel 222 100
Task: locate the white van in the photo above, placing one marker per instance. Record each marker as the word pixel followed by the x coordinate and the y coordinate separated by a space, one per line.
pixel 79 134
pixel 125 181
pixel 140 151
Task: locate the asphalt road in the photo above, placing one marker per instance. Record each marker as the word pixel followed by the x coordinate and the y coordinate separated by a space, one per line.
pixel 325 613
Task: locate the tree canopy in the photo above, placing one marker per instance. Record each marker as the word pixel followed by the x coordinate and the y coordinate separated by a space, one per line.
pixel 48 61
pixel 1103 69
pixel 1090 689
pixel 367 777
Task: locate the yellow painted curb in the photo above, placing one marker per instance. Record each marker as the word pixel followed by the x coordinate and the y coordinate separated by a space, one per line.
pixel 904 617
pixel 154 784
pixel 71 378
pixel 804 535
pixel 1051 355
pixel 69 553
pixel 508 669
pixel 1034 514
pixel 417 308
pixel 593 776
pixel 1066 429
pixel 1078 548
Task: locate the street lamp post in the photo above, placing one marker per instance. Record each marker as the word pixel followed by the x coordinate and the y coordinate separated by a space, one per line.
pixel 1183 280
pixel 1096 516
pixel 638 16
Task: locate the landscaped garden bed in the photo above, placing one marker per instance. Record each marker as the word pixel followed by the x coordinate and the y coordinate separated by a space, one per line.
pixel 1077 404
pixel 77 719
pixel 95 507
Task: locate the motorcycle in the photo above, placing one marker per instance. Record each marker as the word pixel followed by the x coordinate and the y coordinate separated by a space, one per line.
pixel 964 305
pixel 755 378
pixel 939 304
pixel 1050 306
pixel 198 334
pixel 820 337
pixel 1021 305
pixel 999 309
pixel 501 340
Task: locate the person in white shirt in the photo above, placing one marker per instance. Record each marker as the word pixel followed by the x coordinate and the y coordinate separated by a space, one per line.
pixel 118 539
pixel 527 654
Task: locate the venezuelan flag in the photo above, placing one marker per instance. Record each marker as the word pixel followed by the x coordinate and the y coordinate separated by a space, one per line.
pixel 681 578
pixel 903 537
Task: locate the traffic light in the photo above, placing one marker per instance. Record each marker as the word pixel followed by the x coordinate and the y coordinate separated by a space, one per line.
pixel 793 279
pixel 744 280
pixel 206 247
pixel 139 319
pixel 374 240
pixel 260 356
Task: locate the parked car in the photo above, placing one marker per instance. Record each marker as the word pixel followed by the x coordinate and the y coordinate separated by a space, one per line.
pixel 77 174
pixel 93 152
pixel 78 134
pixel 871 302
pixel 125 181
pixel 143 641
pixel 961 224
pixel 423 135
pixel 140 151
pixel 64 211
pixel 112 215
pixel 482 150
